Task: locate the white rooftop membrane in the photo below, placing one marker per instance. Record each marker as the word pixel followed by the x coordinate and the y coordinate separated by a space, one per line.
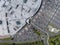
pixel 14 14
